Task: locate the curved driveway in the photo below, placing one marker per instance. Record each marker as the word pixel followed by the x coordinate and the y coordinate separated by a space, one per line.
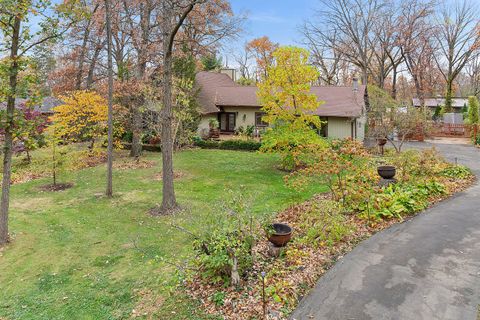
pixel 425 268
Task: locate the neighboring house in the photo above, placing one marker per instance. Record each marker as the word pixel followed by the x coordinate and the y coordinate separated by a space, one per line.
pixel 45 107
pixel 236 106
pixel 433 103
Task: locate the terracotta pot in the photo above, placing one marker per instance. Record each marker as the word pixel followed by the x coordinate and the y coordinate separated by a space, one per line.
pixel 281 235
pixel 386 172
pixel 382 141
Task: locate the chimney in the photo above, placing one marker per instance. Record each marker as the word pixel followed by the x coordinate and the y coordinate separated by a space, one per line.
pixel 355 84
pixel 229 72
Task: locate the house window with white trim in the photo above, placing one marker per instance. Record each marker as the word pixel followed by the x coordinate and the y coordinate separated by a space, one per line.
pixel 259 120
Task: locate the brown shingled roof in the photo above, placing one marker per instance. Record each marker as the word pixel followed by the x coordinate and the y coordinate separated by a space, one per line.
pixel 208 83
pixel 218 90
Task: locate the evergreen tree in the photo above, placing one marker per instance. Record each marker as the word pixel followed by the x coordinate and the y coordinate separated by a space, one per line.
pixel 473 110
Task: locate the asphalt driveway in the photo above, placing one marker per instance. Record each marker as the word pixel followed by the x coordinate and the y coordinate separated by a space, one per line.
pixel 425 268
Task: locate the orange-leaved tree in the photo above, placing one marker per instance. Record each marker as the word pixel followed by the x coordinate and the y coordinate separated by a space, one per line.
pixel 82 117
pixel 262 49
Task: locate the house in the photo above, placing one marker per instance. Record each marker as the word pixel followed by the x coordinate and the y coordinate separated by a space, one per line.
pixel 433 103
pixel 236 106
pixel 45 107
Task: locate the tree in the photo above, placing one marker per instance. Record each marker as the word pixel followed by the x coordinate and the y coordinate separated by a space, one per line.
pixel 58 156
pixel 417 50
pixel 262 50
pixel 18 39
pixel 388 120
pixel 458 37
pixel 289 105
pixel 473 117
pixel 109 191
pixel 174 14
pixel 354 20
pixel 325 54
pixel 82 117
pixel 211 62
pixel 29 128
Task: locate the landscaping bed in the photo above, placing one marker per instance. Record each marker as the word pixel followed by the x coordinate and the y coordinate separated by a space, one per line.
pixel 69 260
pixel 325 228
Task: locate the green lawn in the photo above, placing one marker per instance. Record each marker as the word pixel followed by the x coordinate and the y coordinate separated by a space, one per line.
pixel 78 255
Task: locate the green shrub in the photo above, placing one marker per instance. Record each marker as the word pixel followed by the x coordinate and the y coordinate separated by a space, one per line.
pixel 399 200
pixel 473 116
pixel 324 224
pixel 456 172
pixel 224 252
pixel 250 145
pixel 247 145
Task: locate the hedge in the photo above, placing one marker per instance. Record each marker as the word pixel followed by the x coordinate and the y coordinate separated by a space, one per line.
pixel 247 145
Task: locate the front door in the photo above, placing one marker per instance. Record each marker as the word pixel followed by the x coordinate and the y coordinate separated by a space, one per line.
pixel 227 121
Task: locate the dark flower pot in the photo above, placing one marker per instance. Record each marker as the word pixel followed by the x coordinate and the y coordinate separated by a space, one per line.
pixel 280 234
pixel 382 141
pixel 386 172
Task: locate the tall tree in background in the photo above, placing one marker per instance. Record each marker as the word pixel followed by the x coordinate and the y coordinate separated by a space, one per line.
pixel 385 47
pixel 262 50
pixel 109 191
pixel 354 19
pixel 416 31
pixel 325 55
pixel 458 37
pixel 18 39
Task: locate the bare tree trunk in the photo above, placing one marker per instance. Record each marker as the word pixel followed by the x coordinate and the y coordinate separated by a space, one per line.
pixel 137 118
pixel 54 162
pixel 169 202
pixel 449 95
pixel 137 127
pixel 109 191
pixel 81 58
pixel 83 51
pixel 7 148
pixel 394 83
pixel 235 276
pixel 92 66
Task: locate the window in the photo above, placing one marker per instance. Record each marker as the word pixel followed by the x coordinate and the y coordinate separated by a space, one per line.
pixel 259 121
pixel 227 121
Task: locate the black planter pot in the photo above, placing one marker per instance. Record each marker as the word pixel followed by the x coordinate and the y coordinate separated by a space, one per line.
pixel 280 234
pixel 386 172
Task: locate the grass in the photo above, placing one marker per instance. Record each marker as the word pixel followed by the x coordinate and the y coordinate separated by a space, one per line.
pixel 78 255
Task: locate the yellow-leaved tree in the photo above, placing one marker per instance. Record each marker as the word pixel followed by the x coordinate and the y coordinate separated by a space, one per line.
pixel 289 106
pixel 82 117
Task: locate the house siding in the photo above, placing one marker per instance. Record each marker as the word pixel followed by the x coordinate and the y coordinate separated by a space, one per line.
pixel 338 128
pixel 203 126
pixel 244 116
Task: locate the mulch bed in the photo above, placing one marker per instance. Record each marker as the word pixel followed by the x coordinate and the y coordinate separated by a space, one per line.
pixel 293 275
pixel 127 164
pixel 56 187
pixel 176 175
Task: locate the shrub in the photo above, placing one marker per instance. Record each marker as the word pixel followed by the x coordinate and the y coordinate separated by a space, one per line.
pixel 296 146
pixel 247 145
pixel 324 224
pixel 403 199
pixel 473 116
pixel 224 253
pixel 456 172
